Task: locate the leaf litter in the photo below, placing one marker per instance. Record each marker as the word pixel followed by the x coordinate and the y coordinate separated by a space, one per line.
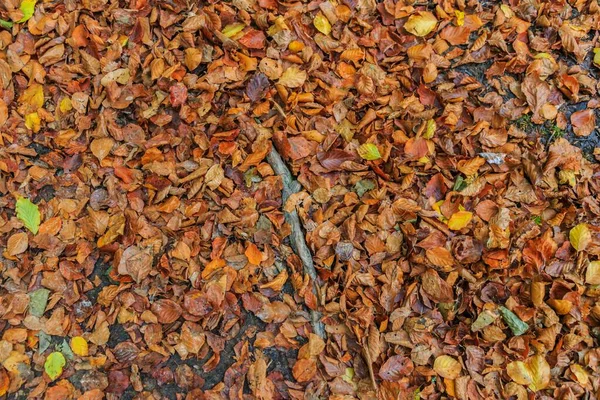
pixel 329 199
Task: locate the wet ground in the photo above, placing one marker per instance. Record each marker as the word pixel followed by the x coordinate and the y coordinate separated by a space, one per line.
pixel 279 360
pixel 587 144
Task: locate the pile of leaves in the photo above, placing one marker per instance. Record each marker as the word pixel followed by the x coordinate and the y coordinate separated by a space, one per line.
pixel 451 215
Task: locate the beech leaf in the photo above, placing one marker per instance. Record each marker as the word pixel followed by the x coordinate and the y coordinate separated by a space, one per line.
pixel 580 237
pixel 421 23
pixel 322 24
pixel 534 372
pixel 54 365
pixel 369 151
pixel 447 367
pixel 515 324
pixel 29 214
pixel 79 346
pixel 27 7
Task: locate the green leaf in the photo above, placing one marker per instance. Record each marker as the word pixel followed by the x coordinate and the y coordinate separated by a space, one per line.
pixel 430 129
pixel 369 151
pixel 515 324
pixel 65 349
pixel 6 24
pixel 29 214
pixel 27 7
pixel 460 184
pixel 485 318
pixel 54 365
pixel 233 29
pixel 38 300
pixel 363 186
pixel 44 342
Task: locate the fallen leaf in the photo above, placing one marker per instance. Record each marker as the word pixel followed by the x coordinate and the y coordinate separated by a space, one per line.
pixel 293 77
pixel 395 368
pixel 369 151
pixel 534 372
pixel 322 24
pixel 421 23
pixel 447 367
pixel 584 122
pixel 79 346
pixel 54 365
pixel 580 237
pixel 27 7
pixel 29 214
pixel 253 253
pixel 17 244
pixel 460 220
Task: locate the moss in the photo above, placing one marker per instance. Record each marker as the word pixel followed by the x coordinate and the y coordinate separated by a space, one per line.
pixel 550 130
pixel 524 123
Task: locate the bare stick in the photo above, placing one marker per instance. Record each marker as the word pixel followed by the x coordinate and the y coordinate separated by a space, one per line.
pixel 291 186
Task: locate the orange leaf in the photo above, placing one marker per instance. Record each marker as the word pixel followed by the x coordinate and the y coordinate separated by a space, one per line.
pixel 304 370
pixel 253 253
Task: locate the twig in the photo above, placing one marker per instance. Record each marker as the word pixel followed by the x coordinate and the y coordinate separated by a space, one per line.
pixel 291 186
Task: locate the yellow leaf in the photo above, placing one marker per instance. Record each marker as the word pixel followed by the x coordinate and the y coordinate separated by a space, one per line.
pixel 534 372
pixel 54 365
pixel 597 56
pixel 508 13
pixel 369 151
pixel 421 23
pixel 233 29
pixel 296 46
pixel 33 97
pixel 65 105
pixel 293 77
pixel 27 7
pixel 430 129
pixel 33 122
pixel 580 237
pixel 322 24
pixel 460 17
pixel 79 346
pixel 580 373
pixel 567 176
pixel 447 367
pixel 592 274
pixel 459 220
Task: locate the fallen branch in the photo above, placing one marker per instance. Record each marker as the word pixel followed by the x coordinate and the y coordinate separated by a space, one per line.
pixel 291 186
